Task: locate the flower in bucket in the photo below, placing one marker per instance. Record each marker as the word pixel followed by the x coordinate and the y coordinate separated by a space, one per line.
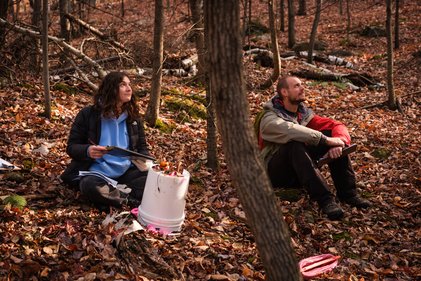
pixel 169 169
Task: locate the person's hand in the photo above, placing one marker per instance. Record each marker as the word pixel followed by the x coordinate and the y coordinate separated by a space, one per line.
pixel 334 152
pixel 97 151
pixel 140 164
pixel 335 142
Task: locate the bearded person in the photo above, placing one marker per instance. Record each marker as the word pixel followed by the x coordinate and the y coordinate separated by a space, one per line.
pixel 292 138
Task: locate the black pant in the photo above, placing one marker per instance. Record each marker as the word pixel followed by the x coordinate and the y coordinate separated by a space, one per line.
pixel 97 191
pixel 293 165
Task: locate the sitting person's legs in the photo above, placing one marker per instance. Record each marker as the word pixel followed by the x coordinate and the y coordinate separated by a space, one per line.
pixel 136 180
pixel 293 160
pixel 98 192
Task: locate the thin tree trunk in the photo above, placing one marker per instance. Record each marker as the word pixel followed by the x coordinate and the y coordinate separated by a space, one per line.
pixel 314 31
pixel 222 27
pixel 348 20
pixel 64 23
pixel 397 24
pixel 302 7
pixel 275 48
pixel 390 87
pixel 282 10
pixel 152 111
pixel 3 14
pixel 196 7
pixel 45 67
pixel 36 16
pixel 291 24
pixel 122 8
pixel 245 20
pixel 340 7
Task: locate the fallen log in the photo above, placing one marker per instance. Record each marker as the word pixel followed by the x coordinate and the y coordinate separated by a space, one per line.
pixel 101 72
pixel 357 79
pixel 96 32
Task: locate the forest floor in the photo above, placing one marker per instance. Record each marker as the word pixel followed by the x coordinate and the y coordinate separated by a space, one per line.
pixel 58 236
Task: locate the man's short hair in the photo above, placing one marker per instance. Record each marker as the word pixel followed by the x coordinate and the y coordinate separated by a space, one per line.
pixel 282 83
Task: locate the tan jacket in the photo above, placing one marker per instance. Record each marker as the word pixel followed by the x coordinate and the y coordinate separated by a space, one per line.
pixel 275 129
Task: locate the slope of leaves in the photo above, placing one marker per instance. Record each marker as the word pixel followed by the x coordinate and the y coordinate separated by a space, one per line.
pixel 58 236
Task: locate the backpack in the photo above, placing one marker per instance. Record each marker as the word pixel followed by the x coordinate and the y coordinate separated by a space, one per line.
pixel 256 126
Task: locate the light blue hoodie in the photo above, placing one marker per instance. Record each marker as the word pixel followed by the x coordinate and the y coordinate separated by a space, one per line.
pixel 114 133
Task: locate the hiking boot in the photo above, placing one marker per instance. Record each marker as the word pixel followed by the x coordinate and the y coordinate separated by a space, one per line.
pixel 357 201
pixel 332 210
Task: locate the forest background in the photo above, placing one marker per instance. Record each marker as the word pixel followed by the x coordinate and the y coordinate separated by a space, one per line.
pixel 57 236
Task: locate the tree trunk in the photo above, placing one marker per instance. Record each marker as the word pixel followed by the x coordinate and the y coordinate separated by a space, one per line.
pixel 348 20
pixel 390 87
pixel 314 31
pixel 36 16
pixel 340 7
pixel 222 27
pixel 275 49
pixel 196 7
pixel 3 14
pixel 282 10
pixel 245 22
pixel 64 23
pixel 152 111
pixel 122 9
pixel 45 67
pixel 291 24
pixel 397 24
pixel 302 7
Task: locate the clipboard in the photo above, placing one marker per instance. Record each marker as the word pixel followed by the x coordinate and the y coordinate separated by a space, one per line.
pixel 122 152
pixel 347 150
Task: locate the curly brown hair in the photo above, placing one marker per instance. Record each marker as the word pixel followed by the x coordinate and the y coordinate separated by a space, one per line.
pixel 106 97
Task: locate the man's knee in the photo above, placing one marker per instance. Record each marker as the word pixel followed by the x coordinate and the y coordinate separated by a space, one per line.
pixel 296 147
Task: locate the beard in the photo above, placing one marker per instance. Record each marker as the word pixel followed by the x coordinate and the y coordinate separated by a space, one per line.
pixel 296 100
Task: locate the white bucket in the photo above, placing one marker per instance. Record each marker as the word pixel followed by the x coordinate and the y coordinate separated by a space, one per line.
pixel 164 200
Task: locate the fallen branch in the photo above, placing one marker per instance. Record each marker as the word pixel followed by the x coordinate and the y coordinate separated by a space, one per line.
pixel 71 68
pixel 84 77
pixel 96 32
pixel 60 42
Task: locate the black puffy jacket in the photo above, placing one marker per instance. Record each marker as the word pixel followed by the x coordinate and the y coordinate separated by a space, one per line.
pixel 85 131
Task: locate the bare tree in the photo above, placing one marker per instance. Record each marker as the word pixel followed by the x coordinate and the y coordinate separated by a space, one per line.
pixel 152 111
pixel 223 36
pixel 282 18
pixel 314 31
pixel 396 24
pixel 275 48
pixel 390 87
pixel 45 67
pixel 348 20
pixel 302 8
pixel 36 17
pixel 196 7
pixel 4 7
pixel 64 22
pixel 291 24
pixel 340 2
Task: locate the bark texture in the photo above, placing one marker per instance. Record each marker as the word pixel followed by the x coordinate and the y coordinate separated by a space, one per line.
pixel 222 23
pixel 152 112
